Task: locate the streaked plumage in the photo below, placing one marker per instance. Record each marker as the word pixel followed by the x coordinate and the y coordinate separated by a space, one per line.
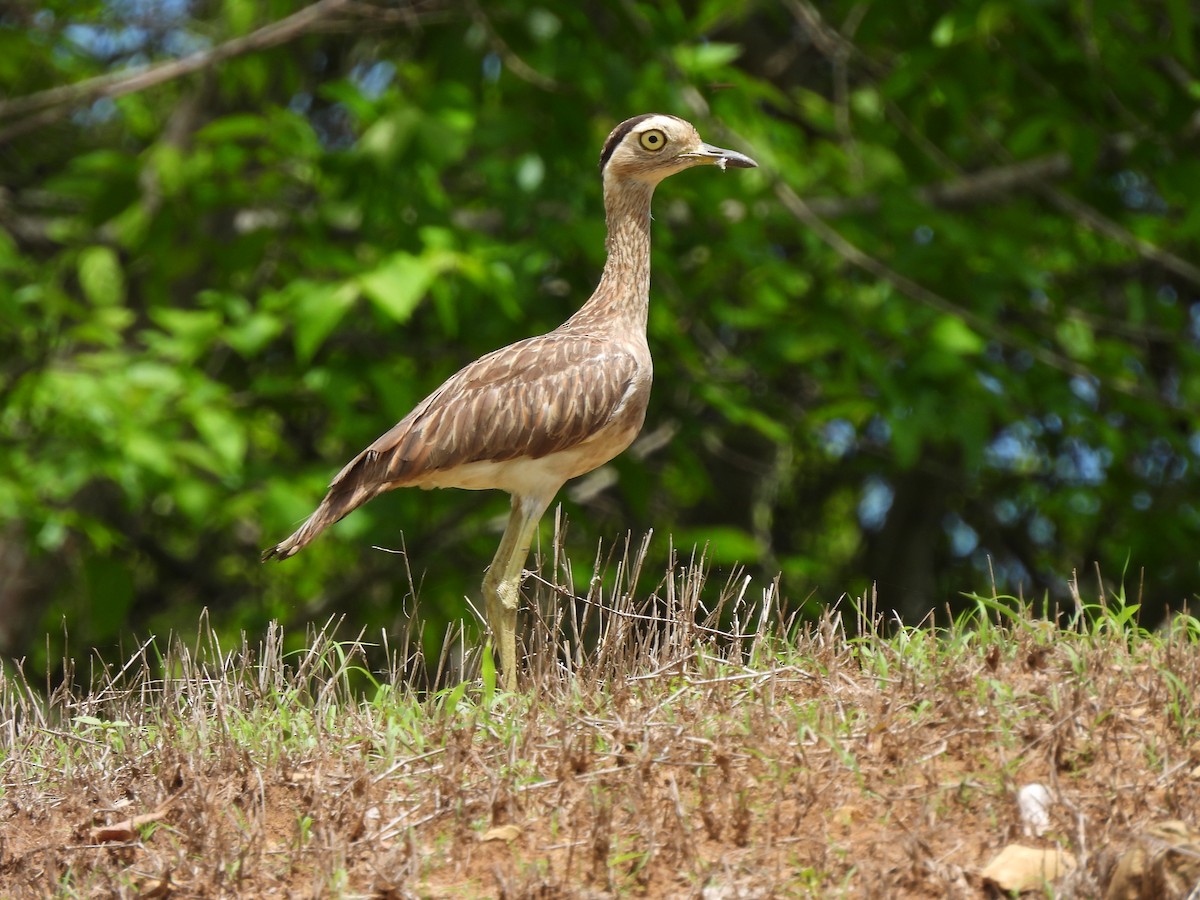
pixel 528 417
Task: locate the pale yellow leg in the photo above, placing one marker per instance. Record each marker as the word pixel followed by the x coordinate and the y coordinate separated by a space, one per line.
pixel 502 584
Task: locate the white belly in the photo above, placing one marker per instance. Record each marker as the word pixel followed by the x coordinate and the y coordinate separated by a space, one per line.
pixel 535 477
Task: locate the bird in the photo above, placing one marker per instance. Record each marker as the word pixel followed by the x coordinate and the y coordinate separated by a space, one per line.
pixel 528 417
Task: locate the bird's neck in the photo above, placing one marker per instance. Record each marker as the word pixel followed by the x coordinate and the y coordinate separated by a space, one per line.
pixel 624 291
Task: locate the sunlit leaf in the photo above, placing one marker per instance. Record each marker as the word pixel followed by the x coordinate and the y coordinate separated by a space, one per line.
pixel 697 59
pixel 223 432
pixel 401 281
pixel 101 277
pixel 722 545
pixel 318 309
pixel 956 336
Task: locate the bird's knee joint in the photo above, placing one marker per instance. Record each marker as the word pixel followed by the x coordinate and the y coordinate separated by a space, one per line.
pixel 509 595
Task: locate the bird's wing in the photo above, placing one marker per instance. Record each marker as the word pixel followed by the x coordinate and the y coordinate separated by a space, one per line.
pixel 530 399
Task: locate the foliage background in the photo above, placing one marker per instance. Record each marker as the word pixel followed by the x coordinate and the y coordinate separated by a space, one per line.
pixel 945 337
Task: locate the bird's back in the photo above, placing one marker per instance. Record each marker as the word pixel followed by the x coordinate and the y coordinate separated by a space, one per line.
pixel 549 407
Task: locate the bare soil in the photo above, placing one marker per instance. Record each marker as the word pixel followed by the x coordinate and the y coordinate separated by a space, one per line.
pixel 825 766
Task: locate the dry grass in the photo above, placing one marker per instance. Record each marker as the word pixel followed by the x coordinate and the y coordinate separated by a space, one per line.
pixel 716 753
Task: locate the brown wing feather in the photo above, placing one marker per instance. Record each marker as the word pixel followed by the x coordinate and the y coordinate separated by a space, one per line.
pixel 530 399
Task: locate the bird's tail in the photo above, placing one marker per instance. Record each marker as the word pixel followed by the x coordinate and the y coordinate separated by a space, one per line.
pixel 338 504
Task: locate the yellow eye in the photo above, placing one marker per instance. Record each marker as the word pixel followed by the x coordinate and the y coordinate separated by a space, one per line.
pixel 653 140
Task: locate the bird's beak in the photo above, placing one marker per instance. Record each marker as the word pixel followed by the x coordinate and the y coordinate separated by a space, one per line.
pixel 719 157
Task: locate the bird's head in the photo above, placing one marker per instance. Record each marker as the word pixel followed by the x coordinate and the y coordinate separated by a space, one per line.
pixel 650 147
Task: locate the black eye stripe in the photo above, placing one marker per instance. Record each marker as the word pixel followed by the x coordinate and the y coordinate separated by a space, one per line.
pixel 619 134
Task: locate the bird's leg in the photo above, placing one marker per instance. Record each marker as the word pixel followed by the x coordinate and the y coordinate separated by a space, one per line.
pixel 502 584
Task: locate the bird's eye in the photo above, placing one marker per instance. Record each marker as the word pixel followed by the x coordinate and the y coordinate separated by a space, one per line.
pixel 653 140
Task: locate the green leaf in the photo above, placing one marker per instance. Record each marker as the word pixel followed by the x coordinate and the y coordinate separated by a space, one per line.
pixel 1183 25
pixel 318 310
pixel 224 433
pixel 398 284
pixel 867 103
pixel 106 327
pixel 100 276
pixel 238 127
pixel 542 24
pixel 253 333
pixel 531 170
pixel 167 162
pixel 240 14
pixel 726 544
pixel 449 700
pixel 1077 338
pixel 944 31
pixel 952 334
pixel 192 332
pixel 388 137
pixel 698 59
pixel 1030 135
pixel 814 107
pixel 993 18
pixel 150 452
pixel 487 674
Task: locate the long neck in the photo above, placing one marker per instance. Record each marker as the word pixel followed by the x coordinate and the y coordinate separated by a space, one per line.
pixel 624 291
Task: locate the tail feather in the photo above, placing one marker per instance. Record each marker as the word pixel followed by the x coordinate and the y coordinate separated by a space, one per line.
pixel 338 504
pixel 367 475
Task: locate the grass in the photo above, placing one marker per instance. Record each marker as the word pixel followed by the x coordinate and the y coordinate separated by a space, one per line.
pixel 681 740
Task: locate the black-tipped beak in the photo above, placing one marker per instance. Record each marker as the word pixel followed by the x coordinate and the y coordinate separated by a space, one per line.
pixel 721 158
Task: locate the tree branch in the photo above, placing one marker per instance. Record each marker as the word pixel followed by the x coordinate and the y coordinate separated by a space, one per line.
pixel 515 64
pixel 965 190
pixel 987 328
pixel 1096 221
pixel 36 110
pixel 978 187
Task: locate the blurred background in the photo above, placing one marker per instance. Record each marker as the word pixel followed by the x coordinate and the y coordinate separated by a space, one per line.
pixel 945 340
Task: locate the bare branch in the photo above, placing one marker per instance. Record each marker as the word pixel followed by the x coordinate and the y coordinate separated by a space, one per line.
pixel 1096 221
pixel 965 190
pixel 114 84
pixel 36 110
pixel 977 187
pixel 839 49
pixel 32 123
pixel 515 64
pixel 872 266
